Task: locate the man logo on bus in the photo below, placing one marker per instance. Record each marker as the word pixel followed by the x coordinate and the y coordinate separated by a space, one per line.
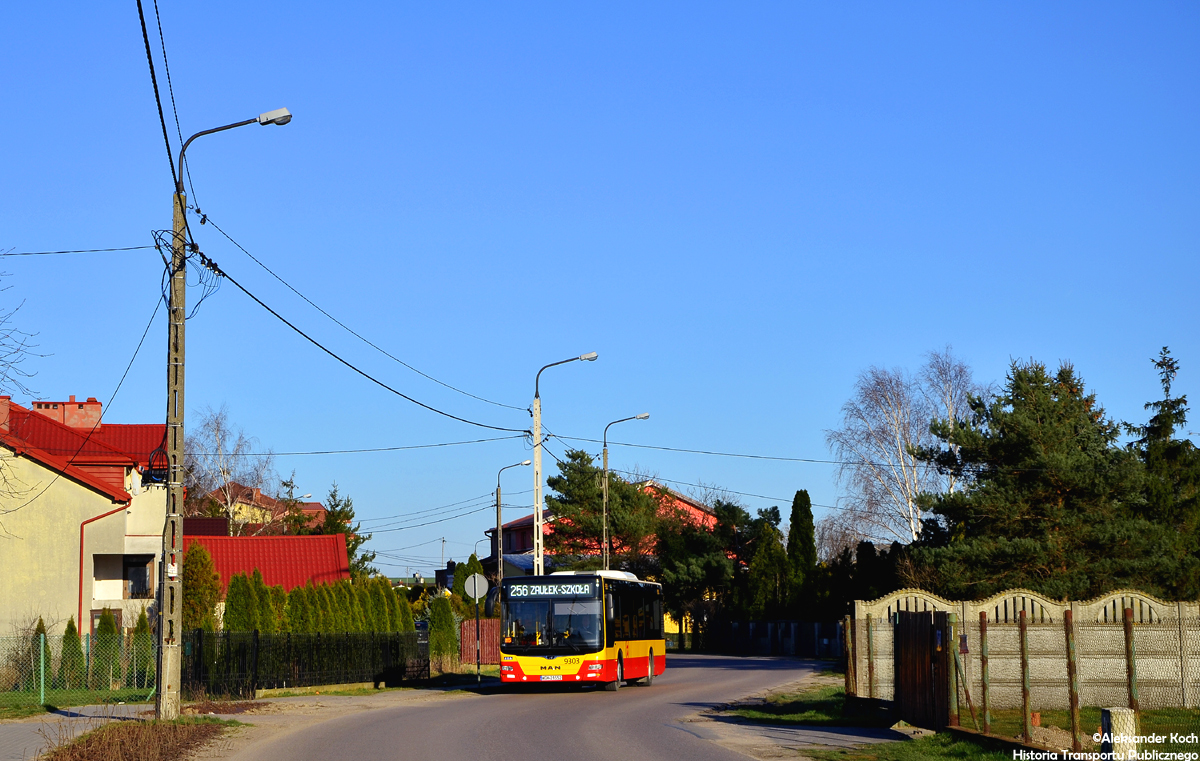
pixel 551 668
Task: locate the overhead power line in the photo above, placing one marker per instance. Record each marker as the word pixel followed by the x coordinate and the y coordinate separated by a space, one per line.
pixel 382 449
pixel 75 251
pixel 204 219
pixel 215 268
pixel 121 382
pixel 157 98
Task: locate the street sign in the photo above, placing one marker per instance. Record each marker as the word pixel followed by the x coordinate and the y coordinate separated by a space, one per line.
pixel 476 587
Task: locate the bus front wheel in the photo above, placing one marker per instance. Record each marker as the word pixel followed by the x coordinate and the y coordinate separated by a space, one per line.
pixel 614 686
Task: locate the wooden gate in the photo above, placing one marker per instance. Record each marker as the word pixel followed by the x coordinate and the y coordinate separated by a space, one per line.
pixel 921 654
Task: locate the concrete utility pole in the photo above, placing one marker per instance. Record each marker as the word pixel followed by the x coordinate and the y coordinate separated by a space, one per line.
pixel 604 541
pixel 538 568
pixel 500 525
pixel 170 589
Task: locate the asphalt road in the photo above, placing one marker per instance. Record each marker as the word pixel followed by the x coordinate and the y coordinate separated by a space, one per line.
pixel 633 724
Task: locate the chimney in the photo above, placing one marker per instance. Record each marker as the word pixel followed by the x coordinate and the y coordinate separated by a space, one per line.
pixel 4 402
pixel 84 415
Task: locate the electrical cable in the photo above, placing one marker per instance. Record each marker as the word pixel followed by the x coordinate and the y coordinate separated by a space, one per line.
pixel 215 268
pixel 106 407
pixel 384 449
pixel 157 98
pixel 77 251
pixel 204 219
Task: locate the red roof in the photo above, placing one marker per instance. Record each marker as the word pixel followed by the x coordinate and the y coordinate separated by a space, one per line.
pixel 292 561
pixel 63 449
pixel 138 440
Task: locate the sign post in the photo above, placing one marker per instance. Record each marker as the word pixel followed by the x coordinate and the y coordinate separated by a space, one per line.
pixel 476 587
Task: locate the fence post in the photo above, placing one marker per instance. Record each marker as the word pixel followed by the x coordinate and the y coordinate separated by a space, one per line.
pixel 1026 708
pixel 983 672
pixel 1131 662
pixel 42 669
pixel 1181 622
pixel 952 644
pixel 1073 681
pixel 254 665
pixel 848 649
pixel 870 658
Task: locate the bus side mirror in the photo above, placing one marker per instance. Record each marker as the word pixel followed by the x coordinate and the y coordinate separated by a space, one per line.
pixel 491 602
pixel 609 614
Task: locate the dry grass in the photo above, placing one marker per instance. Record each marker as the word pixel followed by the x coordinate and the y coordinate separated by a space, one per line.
pixel 209 706
pixel 135 740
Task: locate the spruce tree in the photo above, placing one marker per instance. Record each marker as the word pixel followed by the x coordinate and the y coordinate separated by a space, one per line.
pixel 72 670
pixel 201 589
pixel 339 519
pixel 1171 488
pixel 801 550
pixel 1051 500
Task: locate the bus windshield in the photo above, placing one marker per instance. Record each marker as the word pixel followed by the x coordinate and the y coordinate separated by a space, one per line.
pixel 554 625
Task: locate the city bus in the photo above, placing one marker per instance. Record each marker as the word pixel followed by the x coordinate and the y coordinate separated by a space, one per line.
pixel 577 627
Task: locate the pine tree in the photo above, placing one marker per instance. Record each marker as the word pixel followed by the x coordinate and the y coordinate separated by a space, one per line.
pixel 801 550
pixel 72 671
pixel 201 589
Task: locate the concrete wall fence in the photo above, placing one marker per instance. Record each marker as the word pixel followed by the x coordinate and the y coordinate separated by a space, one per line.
pixel 1162 645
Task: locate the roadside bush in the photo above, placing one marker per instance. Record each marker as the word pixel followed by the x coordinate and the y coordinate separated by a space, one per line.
pixel 72 670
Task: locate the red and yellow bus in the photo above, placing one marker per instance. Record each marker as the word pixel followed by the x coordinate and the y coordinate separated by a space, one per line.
pixel 577 627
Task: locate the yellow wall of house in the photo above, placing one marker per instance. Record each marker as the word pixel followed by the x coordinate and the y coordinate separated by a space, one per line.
pixel 39 543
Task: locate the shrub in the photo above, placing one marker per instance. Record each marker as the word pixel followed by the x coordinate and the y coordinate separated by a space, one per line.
pixel 141 671
pixel 72 670
pixel 443 634
pixel 106 653
pixel 201 589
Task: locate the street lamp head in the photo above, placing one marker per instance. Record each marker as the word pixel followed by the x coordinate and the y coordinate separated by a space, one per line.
pixel 589 357
pixel 643 416
pixel 527 462
pixel 305 496
pixel 279 116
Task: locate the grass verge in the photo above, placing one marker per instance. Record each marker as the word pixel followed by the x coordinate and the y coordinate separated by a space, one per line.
pixel 819 705
pixel 1163 721
pixel 139 740
pixel 939 746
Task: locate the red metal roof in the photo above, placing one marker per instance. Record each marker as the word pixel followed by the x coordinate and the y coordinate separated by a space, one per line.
pixel 138 440
pixel 292 561
pixel 64 450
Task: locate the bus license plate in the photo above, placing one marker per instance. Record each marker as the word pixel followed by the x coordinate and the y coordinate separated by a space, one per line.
pixel 552 678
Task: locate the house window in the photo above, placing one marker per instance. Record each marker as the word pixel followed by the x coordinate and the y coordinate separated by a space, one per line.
pixel 136 575
pixel 116 612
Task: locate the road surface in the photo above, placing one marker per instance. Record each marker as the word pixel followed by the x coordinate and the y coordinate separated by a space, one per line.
pixel 633 724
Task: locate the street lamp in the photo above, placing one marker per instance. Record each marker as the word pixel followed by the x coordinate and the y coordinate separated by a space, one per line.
pixel 538 567
pixel 170 589
pixel 643 416
pixel 500 524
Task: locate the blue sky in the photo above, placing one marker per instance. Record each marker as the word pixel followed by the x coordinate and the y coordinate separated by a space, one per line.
pixel 739 207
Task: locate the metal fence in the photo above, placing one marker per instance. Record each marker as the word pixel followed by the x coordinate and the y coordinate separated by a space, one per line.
pixel 44 669
pixel 804 639
pixel 239 663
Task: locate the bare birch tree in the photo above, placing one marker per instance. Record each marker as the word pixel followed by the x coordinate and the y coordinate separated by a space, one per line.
pixel 223 465
pixel 883 425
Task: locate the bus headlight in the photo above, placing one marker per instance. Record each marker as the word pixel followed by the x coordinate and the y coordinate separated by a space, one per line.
pixel 506 667
pixel 595 666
